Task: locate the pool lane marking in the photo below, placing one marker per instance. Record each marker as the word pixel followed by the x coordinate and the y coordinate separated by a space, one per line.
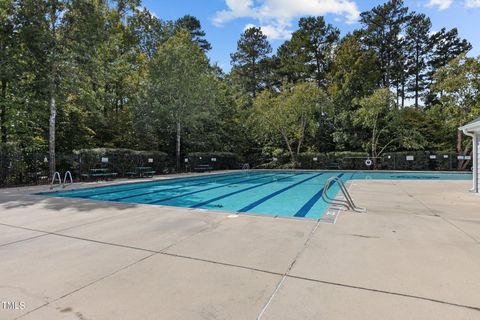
pixel 143 185
pixel 302 212
pixel 174 188
pixel 236 192
pixel 202 190
pixel 147 184
pixel 270 196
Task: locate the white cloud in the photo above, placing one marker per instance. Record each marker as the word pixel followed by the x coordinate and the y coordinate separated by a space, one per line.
pixel 441 4
pixel 275 17
pixel 472 3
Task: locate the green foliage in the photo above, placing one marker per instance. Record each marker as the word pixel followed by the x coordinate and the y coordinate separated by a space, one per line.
pixel 223 160
pixel 418 48
pixel 458 88
pixel 314 43
pixel 88 74
pixel 119 160
pixel 182 96
pixel 193 26
pixel 250 61
pixel 290 115
pixel 383 26
pixel 376 113
pixel 444 161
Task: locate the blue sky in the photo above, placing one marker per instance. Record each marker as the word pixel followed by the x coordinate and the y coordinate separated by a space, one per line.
pixel 224 20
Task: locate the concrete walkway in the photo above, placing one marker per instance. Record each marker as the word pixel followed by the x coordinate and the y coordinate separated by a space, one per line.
pixel 414 255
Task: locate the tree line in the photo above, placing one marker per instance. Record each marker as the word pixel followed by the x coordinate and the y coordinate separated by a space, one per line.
pixel 96 73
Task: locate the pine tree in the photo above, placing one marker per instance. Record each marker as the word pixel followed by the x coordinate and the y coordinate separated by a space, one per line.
pixel 444 46
pixel 417 37
pixel 8 61
pixel 383 27
pixel 194 27
pixel 309 54
pixel 248 61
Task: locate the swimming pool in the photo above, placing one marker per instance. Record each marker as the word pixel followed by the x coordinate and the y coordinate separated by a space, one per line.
pixel 277 193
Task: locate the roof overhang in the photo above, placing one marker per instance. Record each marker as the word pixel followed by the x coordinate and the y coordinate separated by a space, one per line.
pixel 471 127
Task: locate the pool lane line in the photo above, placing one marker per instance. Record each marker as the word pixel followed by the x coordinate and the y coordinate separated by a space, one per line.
pixel 302 212
pixel 143 183
pixel 147 184
pixel 202 190
pixel 239 191
pixel 159 185
pixel 174 188
pixel 270 196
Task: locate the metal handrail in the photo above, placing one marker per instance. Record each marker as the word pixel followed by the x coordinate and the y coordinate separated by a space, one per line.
pixel 55 175
pixel 347 203
pixel 246 166
pixel 69 175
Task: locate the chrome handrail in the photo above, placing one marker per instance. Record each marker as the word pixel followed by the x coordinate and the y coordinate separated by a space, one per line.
pixel 347 203
pixel 55 175
pixel 69 175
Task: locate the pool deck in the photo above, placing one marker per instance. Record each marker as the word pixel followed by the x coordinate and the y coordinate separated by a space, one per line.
pixel 414 255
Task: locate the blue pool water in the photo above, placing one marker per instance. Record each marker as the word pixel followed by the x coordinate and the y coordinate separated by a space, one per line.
pixel 278 193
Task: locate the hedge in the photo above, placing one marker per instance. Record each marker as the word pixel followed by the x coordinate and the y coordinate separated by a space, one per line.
pixel 117 160
pixel 422 161
pixel 217 160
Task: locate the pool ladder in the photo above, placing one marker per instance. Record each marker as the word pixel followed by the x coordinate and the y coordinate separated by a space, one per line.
pixel 347 203
pixel 56 176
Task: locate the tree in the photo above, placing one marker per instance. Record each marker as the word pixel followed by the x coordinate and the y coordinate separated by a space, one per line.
pixel 148 31
pixel 40 26
pixel 309 54
pixel 444 46
pixel 292 62
pixel 290 114
pixel 8 61
pixel 417 36
pixel 193 26
pixel 383 27
pixel 350 79
pixel 178 87
pixel 457 86
pixel 317 40
pixel 376 113
pixel 252 49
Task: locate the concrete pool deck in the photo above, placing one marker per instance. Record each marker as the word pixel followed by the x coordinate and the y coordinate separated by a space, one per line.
pixel 414 255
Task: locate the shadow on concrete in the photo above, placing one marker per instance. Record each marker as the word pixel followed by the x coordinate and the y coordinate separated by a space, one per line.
pixel 24 201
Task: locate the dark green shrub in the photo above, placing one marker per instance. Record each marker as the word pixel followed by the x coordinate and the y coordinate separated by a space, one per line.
pixel 119 160
pixel 356 161
pixel 224 160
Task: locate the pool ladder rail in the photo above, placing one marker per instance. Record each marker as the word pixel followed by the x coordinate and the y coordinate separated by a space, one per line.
pixel 246 167
pixel 347 203
pixel 56 176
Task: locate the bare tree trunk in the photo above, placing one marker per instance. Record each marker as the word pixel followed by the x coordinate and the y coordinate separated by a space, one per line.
pixel 51 133
pixel 3 112
pixel 465 163
pixel 179 131
pixel 302 137
pixel 53 90
pixel 292 154
pixel 416 90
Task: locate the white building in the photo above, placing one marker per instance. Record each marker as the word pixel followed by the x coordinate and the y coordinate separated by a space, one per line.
pixel 473 130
